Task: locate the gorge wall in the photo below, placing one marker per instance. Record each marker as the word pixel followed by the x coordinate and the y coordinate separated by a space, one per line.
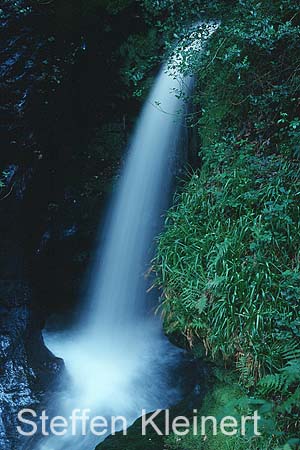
pixel 50 119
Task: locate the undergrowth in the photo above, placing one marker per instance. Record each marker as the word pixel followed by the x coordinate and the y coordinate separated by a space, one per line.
pixel 228 260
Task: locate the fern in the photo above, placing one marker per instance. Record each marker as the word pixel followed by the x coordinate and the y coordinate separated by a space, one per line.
pixel 273 384
pixel 293 401
pixel 282 381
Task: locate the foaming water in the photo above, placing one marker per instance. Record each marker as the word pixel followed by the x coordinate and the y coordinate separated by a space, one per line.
pixel 113 382
pixel 118 360
pixel 114 377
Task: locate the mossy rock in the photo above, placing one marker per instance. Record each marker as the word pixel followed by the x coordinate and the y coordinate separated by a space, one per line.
pixel 134 440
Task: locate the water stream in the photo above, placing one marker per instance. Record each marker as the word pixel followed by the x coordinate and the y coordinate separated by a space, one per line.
pixel 118 360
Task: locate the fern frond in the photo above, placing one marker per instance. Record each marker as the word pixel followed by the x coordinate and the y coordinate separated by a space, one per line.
pixel 292 402
pixel 273 383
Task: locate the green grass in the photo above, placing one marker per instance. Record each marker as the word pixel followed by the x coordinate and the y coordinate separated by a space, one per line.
pixel 223 400
pixel 228 263
pixel 228 260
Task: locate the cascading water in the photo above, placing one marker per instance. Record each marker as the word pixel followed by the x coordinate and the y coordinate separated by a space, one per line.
pixel 118 358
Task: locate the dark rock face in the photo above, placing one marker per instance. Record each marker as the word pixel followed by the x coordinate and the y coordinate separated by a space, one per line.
pixel 30 73
pixel 26 366
pixel 31 70
pixel 54 87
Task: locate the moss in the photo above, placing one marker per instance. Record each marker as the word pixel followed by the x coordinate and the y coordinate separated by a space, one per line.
pixel 223 400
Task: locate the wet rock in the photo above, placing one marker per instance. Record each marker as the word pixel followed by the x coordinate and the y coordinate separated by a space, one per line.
pixel 27 368
pixel 31 71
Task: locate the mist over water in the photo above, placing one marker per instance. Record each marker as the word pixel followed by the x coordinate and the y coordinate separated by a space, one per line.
pixel 119 381
pixel 117 358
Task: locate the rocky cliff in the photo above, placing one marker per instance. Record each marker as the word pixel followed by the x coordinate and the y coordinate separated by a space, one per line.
pixel 31 73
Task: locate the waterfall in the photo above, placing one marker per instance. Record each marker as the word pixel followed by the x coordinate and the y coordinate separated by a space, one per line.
pixel 118 291
pixel 118 358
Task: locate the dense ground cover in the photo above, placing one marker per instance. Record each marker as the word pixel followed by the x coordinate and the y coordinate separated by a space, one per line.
pixel 228 259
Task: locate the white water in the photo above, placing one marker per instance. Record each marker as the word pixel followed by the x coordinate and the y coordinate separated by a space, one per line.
pixel 117 357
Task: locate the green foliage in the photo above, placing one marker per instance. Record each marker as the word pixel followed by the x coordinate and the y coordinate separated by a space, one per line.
pixel 167 22
pixel 228 260
pixel 140 54
pixel 91 6
pixel 3 179
pixel 229 264
pixel 115 6
pixel 223 400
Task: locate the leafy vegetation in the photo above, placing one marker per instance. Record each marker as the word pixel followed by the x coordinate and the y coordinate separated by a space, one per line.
pixel 3 179
pixel 228 259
